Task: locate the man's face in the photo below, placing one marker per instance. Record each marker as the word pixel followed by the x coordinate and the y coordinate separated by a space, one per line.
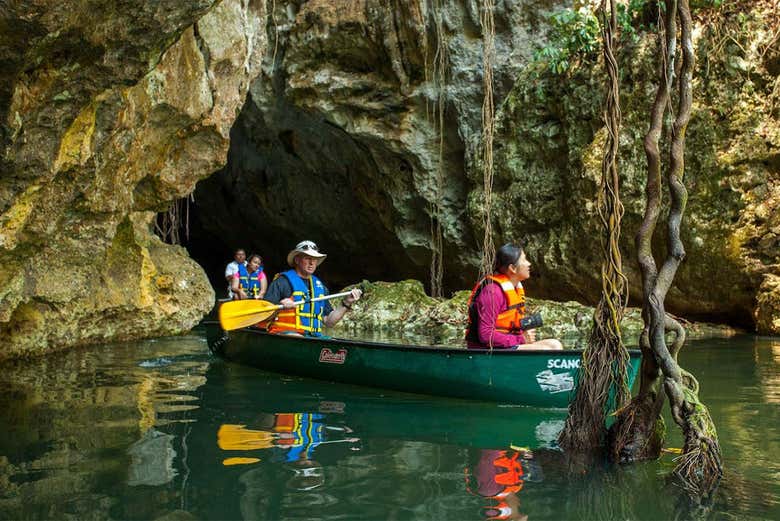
pixel 306 265
pixel 240 256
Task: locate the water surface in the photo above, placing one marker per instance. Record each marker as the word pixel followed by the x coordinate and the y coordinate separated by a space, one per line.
pixel 162 430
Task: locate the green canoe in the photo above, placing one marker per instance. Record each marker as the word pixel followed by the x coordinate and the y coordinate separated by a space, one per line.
pixel 526 377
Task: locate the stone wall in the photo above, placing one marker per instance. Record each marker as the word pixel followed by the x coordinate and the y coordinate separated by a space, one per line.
pixel 344 119
pixel 110 111
pixel 549 170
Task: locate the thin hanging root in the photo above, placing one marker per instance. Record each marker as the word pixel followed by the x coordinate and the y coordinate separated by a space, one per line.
pixel 488 126
pixel 439 78
pixel 168 224
pixel 603 373
pixel 700 469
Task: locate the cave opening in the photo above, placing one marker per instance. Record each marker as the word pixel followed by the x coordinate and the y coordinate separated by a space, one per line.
pixel 292 175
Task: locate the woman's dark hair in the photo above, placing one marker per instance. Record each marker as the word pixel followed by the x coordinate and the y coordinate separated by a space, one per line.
pixel 506 255
pixel 249 259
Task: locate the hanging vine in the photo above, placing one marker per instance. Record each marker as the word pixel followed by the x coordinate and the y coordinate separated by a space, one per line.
pixel 602 380
pixel 636 433
pixel 169 224
pixel 488 129
pixel 272 14
pixel 439 80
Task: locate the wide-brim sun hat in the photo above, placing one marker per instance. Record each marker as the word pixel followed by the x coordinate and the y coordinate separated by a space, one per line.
pixel 305 248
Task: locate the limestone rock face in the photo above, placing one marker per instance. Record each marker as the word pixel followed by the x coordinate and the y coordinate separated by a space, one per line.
pixel 108 113
pixel 768 309
pixel 402 310
pixel 321 119
pixel 339 143
pixel 549 171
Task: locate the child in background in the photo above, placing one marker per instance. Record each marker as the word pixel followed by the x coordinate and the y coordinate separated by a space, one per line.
pixel 250 280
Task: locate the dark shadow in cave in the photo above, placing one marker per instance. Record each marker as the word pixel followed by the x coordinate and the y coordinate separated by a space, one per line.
pixel 291 175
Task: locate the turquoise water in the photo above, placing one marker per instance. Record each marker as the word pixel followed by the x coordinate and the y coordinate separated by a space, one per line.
pixel 162 430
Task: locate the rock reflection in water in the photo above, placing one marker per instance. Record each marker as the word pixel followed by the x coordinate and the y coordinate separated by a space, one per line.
pixel 152 459
pixel 81 423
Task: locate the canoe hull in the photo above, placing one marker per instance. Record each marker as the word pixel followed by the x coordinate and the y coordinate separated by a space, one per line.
pixel 526 377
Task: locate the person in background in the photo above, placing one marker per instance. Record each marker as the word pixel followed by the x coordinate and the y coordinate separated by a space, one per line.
pixel 250 281
pixel 497 305
pixel 299 284
pixel 239 259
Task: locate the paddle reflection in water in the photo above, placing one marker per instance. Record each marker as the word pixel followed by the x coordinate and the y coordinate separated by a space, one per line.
pixel 286 437
pixel 131 431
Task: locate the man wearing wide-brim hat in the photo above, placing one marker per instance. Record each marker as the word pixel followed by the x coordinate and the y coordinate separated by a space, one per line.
pixel 299 284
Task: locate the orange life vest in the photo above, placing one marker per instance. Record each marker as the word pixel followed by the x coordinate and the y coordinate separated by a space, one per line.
pixel 286 421
pixel 512 477
pixel 509 474
pixel 508 321
pixel 505 477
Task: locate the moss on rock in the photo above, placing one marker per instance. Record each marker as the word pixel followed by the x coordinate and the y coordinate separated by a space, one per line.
pixel 402 310
pixel 768 308
pixel 546 181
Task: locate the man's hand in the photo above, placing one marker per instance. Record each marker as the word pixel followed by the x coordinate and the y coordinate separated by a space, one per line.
pixel 353 297
pixel 287 303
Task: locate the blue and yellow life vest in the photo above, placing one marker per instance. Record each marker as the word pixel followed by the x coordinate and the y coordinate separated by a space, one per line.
pixel 250 284
pixel 307 431
pixel 307 318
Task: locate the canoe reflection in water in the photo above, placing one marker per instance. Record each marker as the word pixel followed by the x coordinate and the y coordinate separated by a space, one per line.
pixel 289 438
pixel 333 451
pixel 498 476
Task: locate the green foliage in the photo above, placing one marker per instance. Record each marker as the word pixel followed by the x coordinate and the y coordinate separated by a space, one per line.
pixel 632 18
pixel 574 36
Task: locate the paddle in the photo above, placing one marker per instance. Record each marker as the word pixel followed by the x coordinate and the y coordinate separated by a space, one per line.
pixel 236 314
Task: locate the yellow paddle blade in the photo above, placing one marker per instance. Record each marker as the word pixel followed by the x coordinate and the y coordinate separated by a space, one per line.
pixel 229 462
pixel 236 314
pixel 238 437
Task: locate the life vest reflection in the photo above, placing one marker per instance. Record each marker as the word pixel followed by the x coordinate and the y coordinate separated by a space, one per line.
pixel 497 476
pixel 288 438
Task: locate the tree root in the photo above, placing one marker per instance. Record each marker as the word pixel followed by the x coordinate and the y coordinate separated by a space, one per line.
pixel 700 467
pixel 638 433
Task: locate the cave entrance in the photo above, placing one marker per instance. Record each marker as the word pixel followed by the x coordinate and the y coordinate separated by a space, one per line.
pixel 292 175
